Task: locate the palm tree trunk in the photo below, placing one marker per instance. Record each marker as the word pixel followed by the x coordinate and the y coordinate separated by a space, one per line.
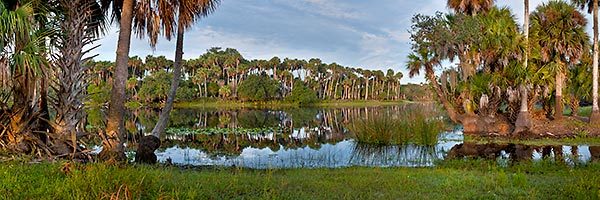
pixel 595 117
pixel 367 90
pixel 163 119
pixel 112 145
pixel 447 105
pixel 523 122
pixel 558 107
pixel 149 144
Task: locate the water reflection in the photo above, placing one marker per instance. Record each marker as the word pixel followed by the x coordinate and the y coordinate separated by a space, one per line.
pixel 314 137
pixel 342 154
pixel 521 152
pixel 386 156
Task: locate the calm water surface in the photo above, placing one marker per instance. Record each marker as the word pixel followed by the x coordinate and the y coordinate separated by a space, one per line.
pixel 315 138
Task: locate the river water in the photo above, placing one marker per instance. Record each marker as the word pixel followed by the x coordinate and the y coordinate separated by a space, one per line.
pixel 316 138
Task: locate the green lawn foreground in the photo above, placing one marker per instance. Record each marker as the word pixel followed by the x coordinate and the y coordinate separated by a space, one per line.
pixel 449 180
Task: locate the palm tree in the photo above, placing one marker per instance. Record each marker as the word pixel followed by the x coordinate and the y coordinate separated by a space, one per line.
pixel 112 144
pixel 523 122
pixel 189 11
pixel 562 40
pixel 423 58
pixel 592 6
pixel 471 7
pixel 79 24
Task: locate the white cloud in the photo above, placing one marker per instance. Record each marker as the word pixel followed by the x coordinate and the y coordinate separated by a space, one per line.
pixel 329 8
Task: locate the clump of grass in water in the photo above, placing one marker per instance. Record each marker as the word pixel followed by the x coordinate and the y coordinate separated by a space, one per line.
pixel 408 128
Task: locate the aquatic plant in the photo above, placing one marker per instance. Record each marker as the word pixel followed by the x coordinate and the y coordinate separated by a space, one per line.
pixel 213 131
pixel 406 128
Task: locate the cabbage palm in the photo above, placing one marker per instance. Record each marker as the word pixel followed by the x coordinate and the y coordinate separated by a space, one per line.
pixel 523 122
pixel 424 60
pixel 559 28
pixel 112 143
pixel 592 6
pixel 471 7
pixel 22 41
pixel 188 12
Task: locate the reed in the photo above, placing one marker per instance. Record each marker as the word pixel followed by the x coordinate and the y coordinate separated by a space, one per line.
pixel 405 128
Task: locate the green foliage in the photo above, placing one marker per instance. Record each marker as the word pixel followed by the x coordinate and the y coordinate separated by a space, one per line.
pixel 302 95
pixel 154 88
pixel 226 131
pixel 258 88
pixel 225 91
pixel 186 91
pixel 98 94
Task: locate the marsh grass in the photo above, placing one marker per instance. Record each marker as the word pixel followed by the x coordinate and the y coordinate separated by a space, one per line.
pixel 457 179
pixel 406 128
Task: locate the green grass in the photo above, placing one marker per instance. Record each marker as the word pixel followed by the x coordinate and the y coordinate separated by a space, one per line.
pixel 282 104
pixel 450 180
pixel 405 128
pixel 584 111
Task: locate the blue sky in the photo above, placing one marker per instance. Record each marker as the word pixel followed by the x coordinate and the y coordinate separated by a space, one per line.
pixel 359 33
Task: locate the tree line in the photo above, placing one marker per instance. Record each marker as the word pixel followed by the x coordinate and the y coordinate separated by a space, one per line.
pixel 225 74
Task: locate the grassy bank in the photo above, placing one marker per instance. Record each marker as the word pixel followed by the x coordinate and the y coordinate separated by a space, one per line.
pixel 450 180
pixel 281 104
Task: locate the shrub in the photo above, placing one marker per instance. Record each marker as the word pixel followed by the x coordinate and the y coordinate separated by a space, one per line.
pixel 302 94
pixel 258 88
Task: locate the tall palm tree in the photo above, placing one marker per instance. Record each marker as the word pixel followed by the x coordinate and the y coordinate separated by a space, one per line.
pixel 523 122
pixel 112 144
pixel 471 7
pixel 562 40
pixel 592 6
pixel 188 12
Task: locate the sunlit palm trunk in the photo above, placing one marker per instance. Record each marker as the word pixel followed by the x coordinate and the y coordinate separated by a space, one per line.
pixel 595 117
pixel 367 89
pixel 112 144
pixel 558 107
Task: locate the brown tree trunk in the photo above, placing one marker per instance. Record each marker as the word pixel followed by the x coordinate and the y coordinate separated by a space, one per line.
pixel 558 107
pixel 112 144
pixel 163 119
pixel 146 150
pixel 447 105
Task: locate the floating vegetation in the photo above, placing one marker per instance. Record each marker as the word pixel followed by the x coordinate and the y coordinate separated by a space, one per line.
pixel 219 131
pixel 407 128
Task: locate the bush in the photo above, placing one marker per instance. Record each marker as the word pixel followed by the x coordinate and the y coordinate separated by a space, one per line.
pixel 258 88
pixel 302 95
